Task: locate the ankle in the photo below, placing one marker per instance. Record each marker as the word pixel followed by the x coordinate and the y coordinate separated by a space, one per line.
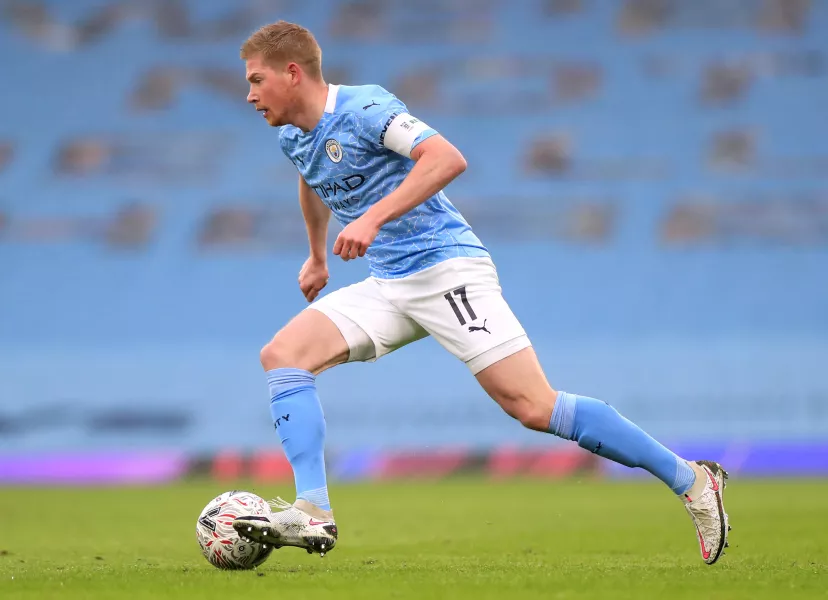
pixel 701 480
pixel 313 510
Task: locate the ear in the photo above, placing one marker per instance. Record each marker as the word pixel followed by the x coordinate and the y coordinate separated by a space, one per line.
pixel 294 72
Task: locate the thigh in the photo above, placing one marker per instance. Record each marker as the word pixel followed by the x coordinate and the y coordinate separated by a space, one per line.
pixel 310 341
pixel 460 303
pixel 517 383
pixel 370 324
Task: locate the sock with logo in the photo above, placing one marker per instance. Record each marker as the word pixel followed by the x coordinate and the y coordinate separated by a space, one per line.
pixel 297 415
pixel 599 428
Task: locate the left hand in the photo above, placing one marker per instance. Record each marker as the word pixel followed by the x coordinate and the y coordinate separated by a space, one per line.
pixel 353 241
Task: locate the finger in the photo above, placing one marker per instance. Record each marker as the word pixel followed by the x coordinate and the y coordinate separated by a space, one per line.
pixel 345 251
pixel 362 250
pixel 311 296
pixel 337 248
pixel 306 284
pixel 316 289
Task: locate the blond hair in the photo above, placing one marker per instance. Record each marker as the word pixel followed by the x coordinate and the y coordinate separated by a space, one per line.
pixel 285 42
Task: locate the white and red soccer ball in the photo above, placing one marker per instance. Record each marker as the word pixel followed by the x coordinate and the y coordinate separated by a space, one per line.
pixel 219 542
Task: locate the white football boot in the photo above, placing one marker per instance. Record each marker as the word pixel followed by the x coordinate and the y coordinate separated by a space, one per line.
pixel 707 511
pixel 291 526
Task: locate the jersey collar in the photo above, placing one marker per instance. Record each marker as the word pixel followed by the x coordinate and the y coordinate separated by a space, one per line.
pixel 330 103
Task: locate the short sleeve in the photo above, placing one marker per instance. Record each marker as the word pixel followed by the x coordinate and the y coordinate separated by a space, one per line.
pixel 390 126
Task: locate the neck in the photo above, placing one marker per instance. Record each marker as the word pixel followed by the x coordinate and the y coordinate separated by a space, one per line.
pixel 311 112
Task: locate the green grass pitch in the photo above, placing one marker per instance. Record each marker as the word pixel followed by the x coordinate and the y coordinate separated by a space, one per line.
pixel 456 539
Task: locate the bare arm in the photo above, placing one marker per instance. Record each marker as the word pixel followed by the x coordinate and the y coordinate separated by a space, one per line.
pixel 314 273
pixel 316 216
pixel 438 163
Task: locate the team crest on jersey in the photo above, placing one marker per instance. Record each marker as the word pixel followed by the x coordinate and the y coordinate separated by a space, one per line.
pixel 334 150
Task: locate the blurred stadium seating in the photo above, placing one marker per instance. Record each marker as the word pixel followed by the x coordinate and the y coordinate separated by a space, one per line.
pixel 650 175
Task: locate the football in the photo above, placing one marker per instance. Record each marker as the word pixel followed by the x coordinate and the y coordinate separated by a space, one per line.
pixel 219 542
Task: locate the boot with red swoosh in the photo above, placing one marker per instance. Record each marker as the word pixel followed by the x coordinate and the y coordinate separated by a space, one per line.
pixel 292 525
pixel 707 511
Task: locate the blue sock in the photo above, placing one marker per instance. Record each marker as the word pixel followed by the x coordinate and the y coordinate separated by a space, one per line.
pixel 599 428
pixel 297 415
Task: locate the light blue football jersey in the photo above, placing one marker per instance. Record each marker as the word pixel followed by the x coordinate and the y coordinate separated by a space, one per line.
pixel 356 155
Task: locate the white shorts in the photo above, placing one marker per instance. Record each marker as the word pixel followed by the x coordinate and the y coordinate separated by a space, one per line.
pixel 458 301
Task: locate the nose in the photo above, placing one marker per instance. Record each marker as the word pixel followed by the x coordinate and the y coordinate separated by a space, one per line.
pixel 252 98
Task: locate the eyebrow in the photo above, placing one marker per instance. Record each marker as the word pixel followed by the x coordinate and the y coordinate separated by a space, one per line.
pixel 252 75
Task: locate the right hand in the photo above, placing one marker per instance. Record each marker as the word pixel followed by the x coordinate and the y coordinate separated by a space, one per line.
pixel 313 277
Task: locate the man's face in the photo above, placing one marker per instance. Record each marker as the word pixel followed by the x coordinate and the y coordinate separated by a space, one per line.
pixel 272 92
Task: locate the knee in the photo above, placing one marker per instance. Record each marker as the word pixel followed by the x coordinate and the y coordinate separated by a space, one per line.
pixel 277 354
pixel 532 412
pixel 534 416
